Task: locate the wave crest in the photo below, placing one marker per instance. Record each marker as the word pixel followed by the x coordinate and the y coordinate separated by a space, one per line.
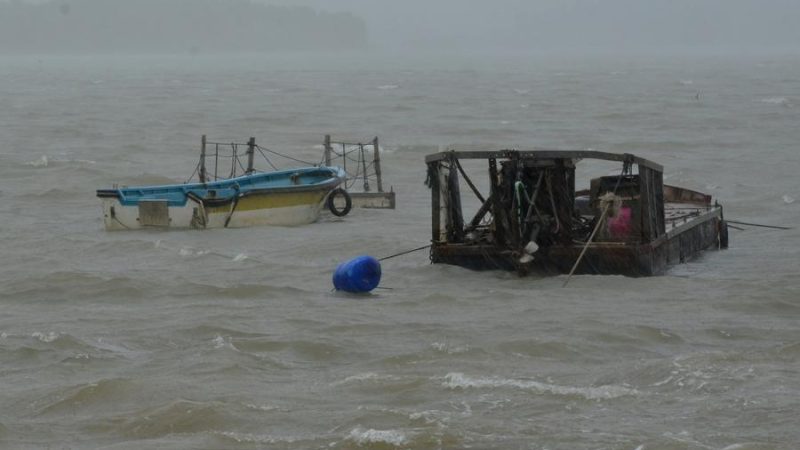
pixel 459 380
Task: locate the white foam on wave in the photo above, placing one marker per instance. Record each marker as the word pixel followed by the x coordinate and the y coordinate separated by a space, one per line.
pixel 788 200
pixel 388 87
pixel 41 162
pixel 248 438
pixel 223 342
pixel 45 161
pixel 431 416
pixel 687 82
pixel 449 349
pixel 744 446
pixel 187 251
pixel 46 337
pixel 370 436
pixel 366 377
pixel 459 380
pixel 261 407
pixel 522 91
pixel 781 101
pixel 240 257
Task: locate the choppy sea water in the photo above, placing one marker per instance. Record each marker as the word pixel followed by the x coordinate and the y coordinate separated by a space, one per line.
pixel 233 339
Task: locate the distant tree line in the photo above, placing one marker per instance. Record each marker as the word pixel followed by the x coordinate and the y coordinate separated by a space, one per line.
pixel 170 26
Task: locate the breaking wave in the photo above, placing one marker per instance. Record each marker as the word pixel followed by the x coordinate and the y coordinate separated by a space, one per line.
pixel 459 380
pixel 369 437
pixel 780 101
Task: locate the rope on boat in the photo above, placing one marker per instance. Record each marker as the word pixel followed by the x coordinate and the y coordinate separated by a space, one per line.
pixel 235 161
pixel 758 225
pixel 265 157
pixel 609 202
pixel 119 222
pixel 405 252
pixel 589 241
pixel 284 156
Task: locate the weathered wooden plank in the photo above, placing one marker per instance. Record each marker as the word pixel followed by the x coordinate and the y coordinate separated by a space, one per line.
pixel 545 154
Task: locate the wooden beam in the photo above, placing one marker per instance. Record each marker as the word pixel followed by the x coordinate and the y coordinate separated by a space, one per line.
pixel 327 145
pixel 377 162
pixel 202 173
pixel 251 150
pixel 546 154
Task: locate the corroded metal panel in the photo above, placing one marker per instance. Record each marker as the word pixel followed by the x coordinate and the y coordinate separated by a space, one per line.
pixel 375 200
pixel 153 213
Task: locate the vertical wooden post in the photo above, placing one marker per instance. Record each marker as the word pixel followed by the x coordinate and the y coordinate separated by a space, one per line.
pixel 327 145
pixel 377 161
pixel 497 210
pixel 455 232
pixel 433 177
pixel 251 149
pixel 202 174
pixel 364 165
pixel 344 157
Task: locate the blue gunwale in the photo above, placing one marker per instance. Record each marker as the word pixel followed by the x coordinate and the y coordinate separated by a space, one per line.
pixel 284 181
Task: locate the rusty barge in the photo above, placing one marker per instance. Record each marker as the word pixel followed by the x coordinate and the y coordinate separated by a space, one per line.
pixel 533 220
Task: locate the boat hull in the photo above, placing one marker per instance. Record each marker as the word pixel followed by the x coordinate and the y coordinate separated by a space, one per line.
pixel 286 198
pixel 679 245
pixel 287 209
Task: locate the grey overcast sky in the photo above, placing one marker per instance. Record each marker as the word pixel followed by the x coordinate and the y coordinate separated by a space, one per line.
pixel 542 25
pixel 557 25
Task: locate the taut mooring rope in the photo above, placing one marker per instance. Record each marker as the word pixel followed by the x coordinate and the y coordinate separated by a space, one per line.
pixel 405 252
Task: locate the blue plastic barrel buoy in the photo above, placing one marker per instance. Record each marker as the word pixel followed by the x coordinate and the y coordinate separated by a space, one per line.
pixel 360 274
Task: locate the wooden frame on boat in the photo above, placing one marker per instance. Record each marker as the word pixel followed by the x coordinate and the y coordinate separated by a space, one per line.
pixel 365 170
pixel 533 219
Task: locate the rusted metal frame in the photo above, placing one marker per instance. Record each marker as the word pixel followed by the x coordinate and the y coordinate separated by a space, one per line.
pixel 561 190
pixel 456 225
pixel 658 183
pixel 495 196
pixel 702 218
pixel 646 204
pixel 364 164
pixel 328 149
pixel 251 151
pixel 547 154
pixel 433 177
pixel 202 173
pixel 532 206
pixel 216 161
pixel 476 220
pixel 469 182
pixel 344 159
pixel 588 242
pixel 377 162
pixel 514 219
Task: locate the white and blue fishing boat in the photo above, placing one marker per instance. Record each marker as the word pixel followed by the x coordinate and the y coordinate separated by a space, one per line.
pixel 282 197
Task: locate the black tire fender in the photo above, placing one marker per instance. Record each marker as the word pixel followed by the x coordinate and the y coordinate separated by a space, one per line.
pixel 723 234
pixel 348 202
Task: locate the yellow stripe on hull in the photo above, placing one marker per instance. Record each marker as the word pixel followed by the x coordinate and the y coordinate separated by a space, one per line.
pixel 286 209
pixel 272 200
